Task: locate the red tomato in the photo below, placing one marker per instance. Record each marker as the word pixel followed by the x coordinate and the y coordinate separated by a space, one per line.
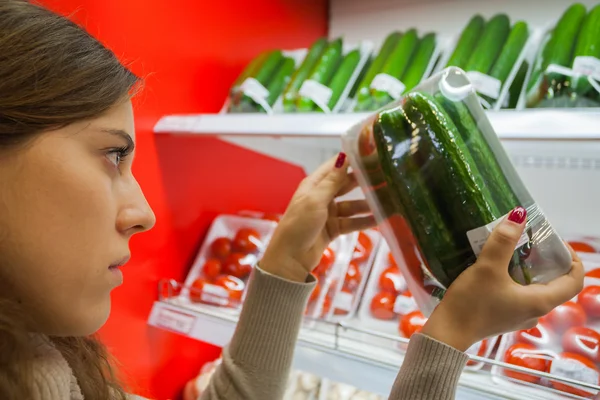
pixel 525 355
pixel 234 286
pixel 538 336
pixel 589 298
pixel 238 265
pixel 582 247
pixel 566 316
pixel 583 341
pixel 327 260
pixel 391 259
pixel 595 273
pixel 221 248
pixel 314 295
pixel 391 280
pixel 196 289
pixel 412 323
pixel 382 305
pixel 353 277
pixel 246 240
pixel 574 366
pixel 363 249
pixel 344 300
pixel 212 268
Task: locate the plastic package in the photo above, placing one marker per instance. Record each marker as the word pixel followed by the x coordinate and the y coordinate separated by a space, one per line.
pixel 565 343
pixel 434 171
pixel 340 391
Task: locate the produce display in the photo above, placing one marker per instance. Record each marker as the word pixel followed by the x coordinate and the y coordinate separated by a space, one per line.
pixel 489 52
pixel 567 66
pixel 431 162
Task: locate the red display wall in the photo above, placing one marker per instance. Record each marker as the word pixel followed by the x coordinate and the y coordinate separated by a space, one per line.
pixel 189 52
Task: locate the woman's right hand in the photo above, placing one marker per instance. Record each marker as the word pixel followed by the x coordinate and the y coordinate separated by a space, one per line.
pixel 484 300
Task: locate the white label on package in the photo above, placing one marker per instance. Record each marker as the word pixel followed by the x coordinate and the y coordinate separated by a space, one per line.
pixel 389 84
pixel 478 236
pixel 317 92
pixel 575 370
pixel 254 89
pixel 343 301
pixel 175 321
pixel 587 65
pixel 485 84
pixel 405 305
pixel 214 294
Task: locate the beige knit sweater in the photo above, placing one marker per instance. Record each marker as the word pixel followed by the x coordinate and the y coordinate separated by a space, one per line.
pixel 257 362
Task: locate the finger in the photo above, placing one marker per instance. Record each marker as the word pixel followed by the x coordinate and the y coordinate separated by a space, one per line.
pixel 332 182
pixel 326 169
pixel 501 244
pixel 349 185
pixel 574 254
pixel 351 208
pixel 349 225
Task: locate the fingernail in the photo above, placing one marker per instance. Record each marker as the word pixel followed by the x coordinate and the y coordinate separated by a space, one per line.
pixel 518 215
pixel 340 160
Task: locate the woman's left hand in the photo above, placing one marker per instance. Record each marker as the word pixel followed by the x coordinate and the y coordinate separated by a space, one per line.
pixel 313 219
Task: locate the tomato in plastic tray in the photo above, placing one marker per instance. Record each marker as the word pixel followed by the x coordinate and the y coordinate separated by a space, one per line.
pixel 567 339
pixel 224 263
pixel 389 307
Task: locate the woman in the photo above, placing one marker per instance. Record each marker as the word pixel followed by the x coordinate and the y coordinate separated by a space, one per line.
pixel 70 204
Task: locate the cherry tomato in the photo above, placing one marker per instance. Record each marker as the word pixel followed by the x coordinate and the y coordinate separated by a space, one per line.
pixel 353 277
pixel 212 268
pixel 327 260
pixel 412 323
pixel 382 305
pixel 583 341
pixel 246 240
pixel 344 299
pixel 391 259
pixel 538 336
pixel 589 298
pixel 595 273
pixel 528 356
pixel 566 316
pixel 221 248
pixel 234 286
pixel 363 248
pixel 582 247
pixel 238 265
pixel 585 370
pixel 314 295
pixel 391 280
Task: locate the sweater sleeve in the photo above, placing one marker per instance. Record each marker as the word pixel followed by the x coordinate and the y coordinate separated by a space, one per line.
pixel 257 362
pixel 431 370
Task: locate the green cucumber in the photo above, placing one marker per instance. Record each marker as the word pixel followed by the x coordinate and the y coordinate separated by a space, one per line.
pixel 363 96
pixel 342 76
pixel 588 44
pixel 514 92
pixel 489 46
pixel 467 42
pixel 322 72
pixel 420 62
pixel 511 51
pixel 264 75
pixel 290 93
pixel 250 70
pixel 397 62
pixel 280 80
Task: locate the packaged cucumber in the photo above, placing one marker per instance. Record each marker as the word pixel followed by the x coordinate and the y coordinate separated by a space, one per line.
pixel 431 163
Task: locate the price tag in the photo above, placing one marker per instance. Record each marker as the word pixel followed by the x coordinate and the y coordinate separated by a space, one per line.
pixel 405 305
pixel 389 84
pixel 587 65
pixel 478 236
pixel 575 370
pixel 485 84
pixel 317 92
pixel 176 321
pixel 254 89
pixel 343 301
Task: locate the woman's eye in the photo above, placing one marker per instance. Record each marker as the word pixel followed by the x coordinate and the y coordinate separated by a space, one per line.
pixel 114 157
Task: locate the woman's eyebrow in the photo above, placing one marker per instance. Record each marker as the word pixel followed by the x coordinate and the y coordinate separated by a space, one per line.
pixel 121 133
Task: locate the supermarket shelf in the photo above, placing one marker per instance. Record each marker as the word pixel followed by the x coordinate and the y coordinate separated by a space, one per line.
pixel 544 124
pixel 338 352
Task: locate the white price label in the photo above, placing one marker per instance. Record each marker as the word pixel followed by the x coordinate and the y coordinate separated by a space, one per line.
pixel 478 236
pixel 405 305
pixel 317 92
pixel 575 370
pixel 485 84
pixel 254 89
pixel 175 321
pixel 343 301
pixel 587 65
pixel 389 84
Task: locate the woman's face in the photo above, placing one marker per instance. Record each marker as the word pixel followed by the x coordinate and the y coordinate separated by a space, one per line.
pixel 69 205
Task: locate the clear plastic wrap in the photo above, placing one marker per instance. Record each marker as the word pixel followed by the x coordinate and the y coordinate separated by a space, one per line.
pixel 434 171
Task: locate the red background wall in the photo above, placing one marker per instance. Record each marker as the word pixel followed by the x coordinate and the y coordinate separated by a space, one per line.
pixel 189 52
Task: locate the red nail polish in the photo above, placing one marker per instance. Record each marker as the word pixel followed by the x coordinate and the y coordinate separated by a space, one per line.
pixel 518 215
pixel 340 160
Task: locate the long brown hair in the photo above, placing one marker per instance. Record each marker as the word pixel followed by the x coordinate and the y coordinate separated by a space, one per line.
pixel 52 73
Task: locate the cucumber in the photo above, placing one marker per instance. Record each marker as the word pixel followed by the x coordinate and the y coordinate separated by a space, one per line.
pixel 397 62
pixel 420 62
pixel 588 44
pixel 263 75
pixel 363 96
pixel 467 42
pixel 322 72
pixel 489 46
pixel 510 51
pixel 250 70
pixel 280 80
pixel 342 76
pixel 514 92
pixel 290 93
